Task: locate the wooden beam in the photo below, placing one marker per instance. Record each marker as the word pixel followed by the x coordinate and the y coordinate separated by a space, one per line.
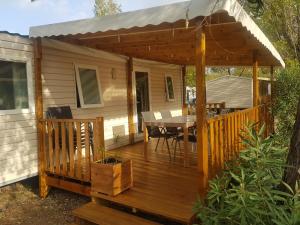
pixel 43 187
pixel 184 105
pixel 256 100
pixel 272 83
pixel 69 186
pixel 202 139
pixel 272 98
pixel 130 100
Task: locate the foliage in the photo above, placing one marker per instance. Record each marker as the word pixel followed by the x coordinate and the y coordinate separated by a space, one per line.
pixel 106 7
pixel 246 192
pixel 107 157
pixel 287 94
pixel 281 21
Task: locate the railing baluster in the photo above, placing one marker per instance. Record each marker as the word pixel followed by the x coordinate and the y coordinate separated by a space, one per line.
pixel 221 133
pixel 87 151
pixel 63 147
pixel 79 150
pixel 50 144
pixel 57 147
pixel 212 146
pixel 71 149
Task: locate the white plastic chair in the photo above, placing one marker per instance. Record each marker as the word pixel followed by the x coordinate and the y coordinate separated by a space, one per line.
pixel 148 116
pixel 165 114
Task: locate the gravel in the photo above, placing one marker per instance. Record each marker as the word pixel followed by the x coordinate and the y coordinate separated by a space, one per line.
pixel 20 204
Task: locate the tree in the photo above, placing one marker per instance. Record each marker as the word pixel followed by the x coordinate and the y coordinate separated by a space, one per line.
pixel 280 19
pixel 292 173
pixel 106 7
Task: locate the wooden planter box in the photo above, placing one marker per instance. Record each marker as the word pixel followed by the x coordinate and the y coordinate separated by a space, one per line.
pixel 111 179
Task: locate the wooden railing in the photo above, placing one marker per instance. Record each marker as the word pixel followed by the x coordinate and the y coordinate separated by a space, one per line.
pixel 70 145
pixel 224 138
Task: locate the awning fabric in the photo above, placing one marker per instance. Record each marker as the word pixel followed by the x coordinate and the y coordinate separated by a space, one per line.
pixel 172 13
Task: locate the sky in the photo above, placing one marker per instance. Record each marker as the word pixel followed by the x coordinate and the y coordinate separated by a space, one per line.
pixel 17 16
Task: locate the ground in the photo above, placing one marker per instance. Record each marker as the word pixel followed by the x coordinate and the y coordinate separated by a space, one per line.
pixel 20 204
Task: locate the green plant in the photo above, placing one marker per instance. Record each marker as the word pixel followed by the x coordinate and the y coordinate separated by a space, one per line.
pixel 246 192
pixel 107 157
pixel 287 94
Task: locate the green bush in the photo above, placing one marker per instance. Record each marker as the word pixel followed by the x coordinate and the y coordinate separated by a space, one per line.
pixel 246 192
pixel 287 94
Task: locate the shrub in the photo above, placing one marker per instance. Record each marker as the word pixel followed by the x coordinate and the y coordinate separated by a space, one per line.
pixel 287 94
pixel 246 192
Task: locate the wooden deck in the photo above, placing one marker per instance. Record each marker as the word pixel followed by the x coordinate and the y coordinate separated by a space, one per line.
pixel 161 187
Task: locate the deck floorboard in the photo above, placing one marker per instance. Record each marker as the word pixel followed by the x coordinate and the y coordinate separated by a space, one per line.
pixel 161 187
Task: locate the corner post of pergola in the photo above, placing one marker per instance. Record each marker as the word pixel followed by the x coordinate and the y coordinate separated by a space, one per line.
pixel 256 98
pixel 43 187
pixel 130 100
pixel 272 83
pixel 272 97
pixel 184 104
pixel 202 139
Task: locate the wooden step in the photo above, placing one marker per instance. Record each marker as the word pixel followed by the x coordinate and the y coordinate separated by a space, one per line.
pixel 102 215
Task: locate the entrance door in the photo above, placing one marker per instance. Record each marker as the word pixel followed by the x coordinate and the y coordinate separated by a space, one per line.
pixel 142 97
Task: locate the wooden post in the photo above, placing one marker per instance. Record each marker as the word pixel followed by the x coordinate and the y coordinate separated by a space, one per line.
pixel 184 105
pixel 272 125
pixel 43 187
pixel 146 140
pixel 202 138
pixel 130 101
pixel 99 137
pixel 255 81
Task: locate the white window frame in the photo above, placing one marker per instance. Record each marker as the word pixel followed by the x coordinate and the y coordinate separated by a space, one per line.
pixel 167 90
pixel 31 104
pixel 79 87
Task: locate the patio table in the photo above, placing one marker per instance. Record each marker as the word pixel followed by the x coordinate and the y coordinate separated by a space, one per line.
pixel 180 121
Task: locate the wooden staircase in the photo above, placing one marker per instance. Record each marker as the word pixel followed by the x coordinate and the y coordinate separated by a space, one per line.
pixel 96 214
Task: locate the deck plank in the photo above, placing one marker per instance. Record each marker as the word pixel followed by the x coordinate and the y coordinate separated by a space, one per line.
pixel 98 214
pixel 161 187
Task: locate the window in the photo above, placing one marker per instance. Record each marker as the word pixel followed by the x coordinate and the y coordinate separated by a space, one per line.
pixel 88 85
pixel 169 88
pixel 13 86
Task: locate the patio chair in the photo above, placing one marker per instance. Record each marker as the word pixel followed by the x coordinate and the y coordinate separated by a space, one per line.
pixel 192 137
pixel 166 114
pixel 224 111
pixel 155 131
pixel 64 112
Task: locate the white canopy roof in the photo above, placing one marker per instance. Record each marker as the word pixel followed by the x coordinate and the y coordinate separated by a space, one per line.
pixel 186 10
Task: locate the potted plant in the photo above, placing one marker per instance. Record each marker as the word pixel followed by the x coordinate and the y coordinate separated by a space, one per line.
pixel 111 175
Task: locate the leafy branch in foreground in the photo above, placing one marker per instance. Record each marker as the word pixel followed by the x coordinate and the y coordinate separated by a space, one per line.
pixel 247 191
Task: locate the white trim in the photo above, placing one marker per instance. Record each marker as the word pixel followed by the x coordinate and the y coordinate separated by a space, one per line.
pixel 148 71
pixel 30 90
pixel 62 46
pixel 167 90
pixel 79 87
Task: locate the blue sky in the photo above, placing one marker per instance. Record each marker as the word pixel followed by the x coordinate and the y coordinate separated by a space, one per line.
pixel 17 16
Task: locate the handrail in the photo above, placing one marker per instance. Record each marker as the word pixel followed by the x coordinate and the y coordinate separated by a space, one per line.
pixel 68 120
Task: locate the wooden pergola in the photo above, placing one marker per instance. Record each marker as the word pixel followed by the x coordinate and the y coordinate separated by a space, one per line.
pixel 215 40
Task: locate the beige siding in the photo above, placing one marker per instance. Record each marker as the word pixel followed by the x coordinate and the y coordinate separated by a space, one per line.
pixel 236 92
pixel 158 96
pixel 18 139
pixel 59 86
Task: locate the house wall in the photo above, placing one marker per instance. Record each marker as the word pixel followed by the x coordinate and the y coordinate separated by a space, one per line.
pixel 236 92
pixel 59 85
pixel 18 138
